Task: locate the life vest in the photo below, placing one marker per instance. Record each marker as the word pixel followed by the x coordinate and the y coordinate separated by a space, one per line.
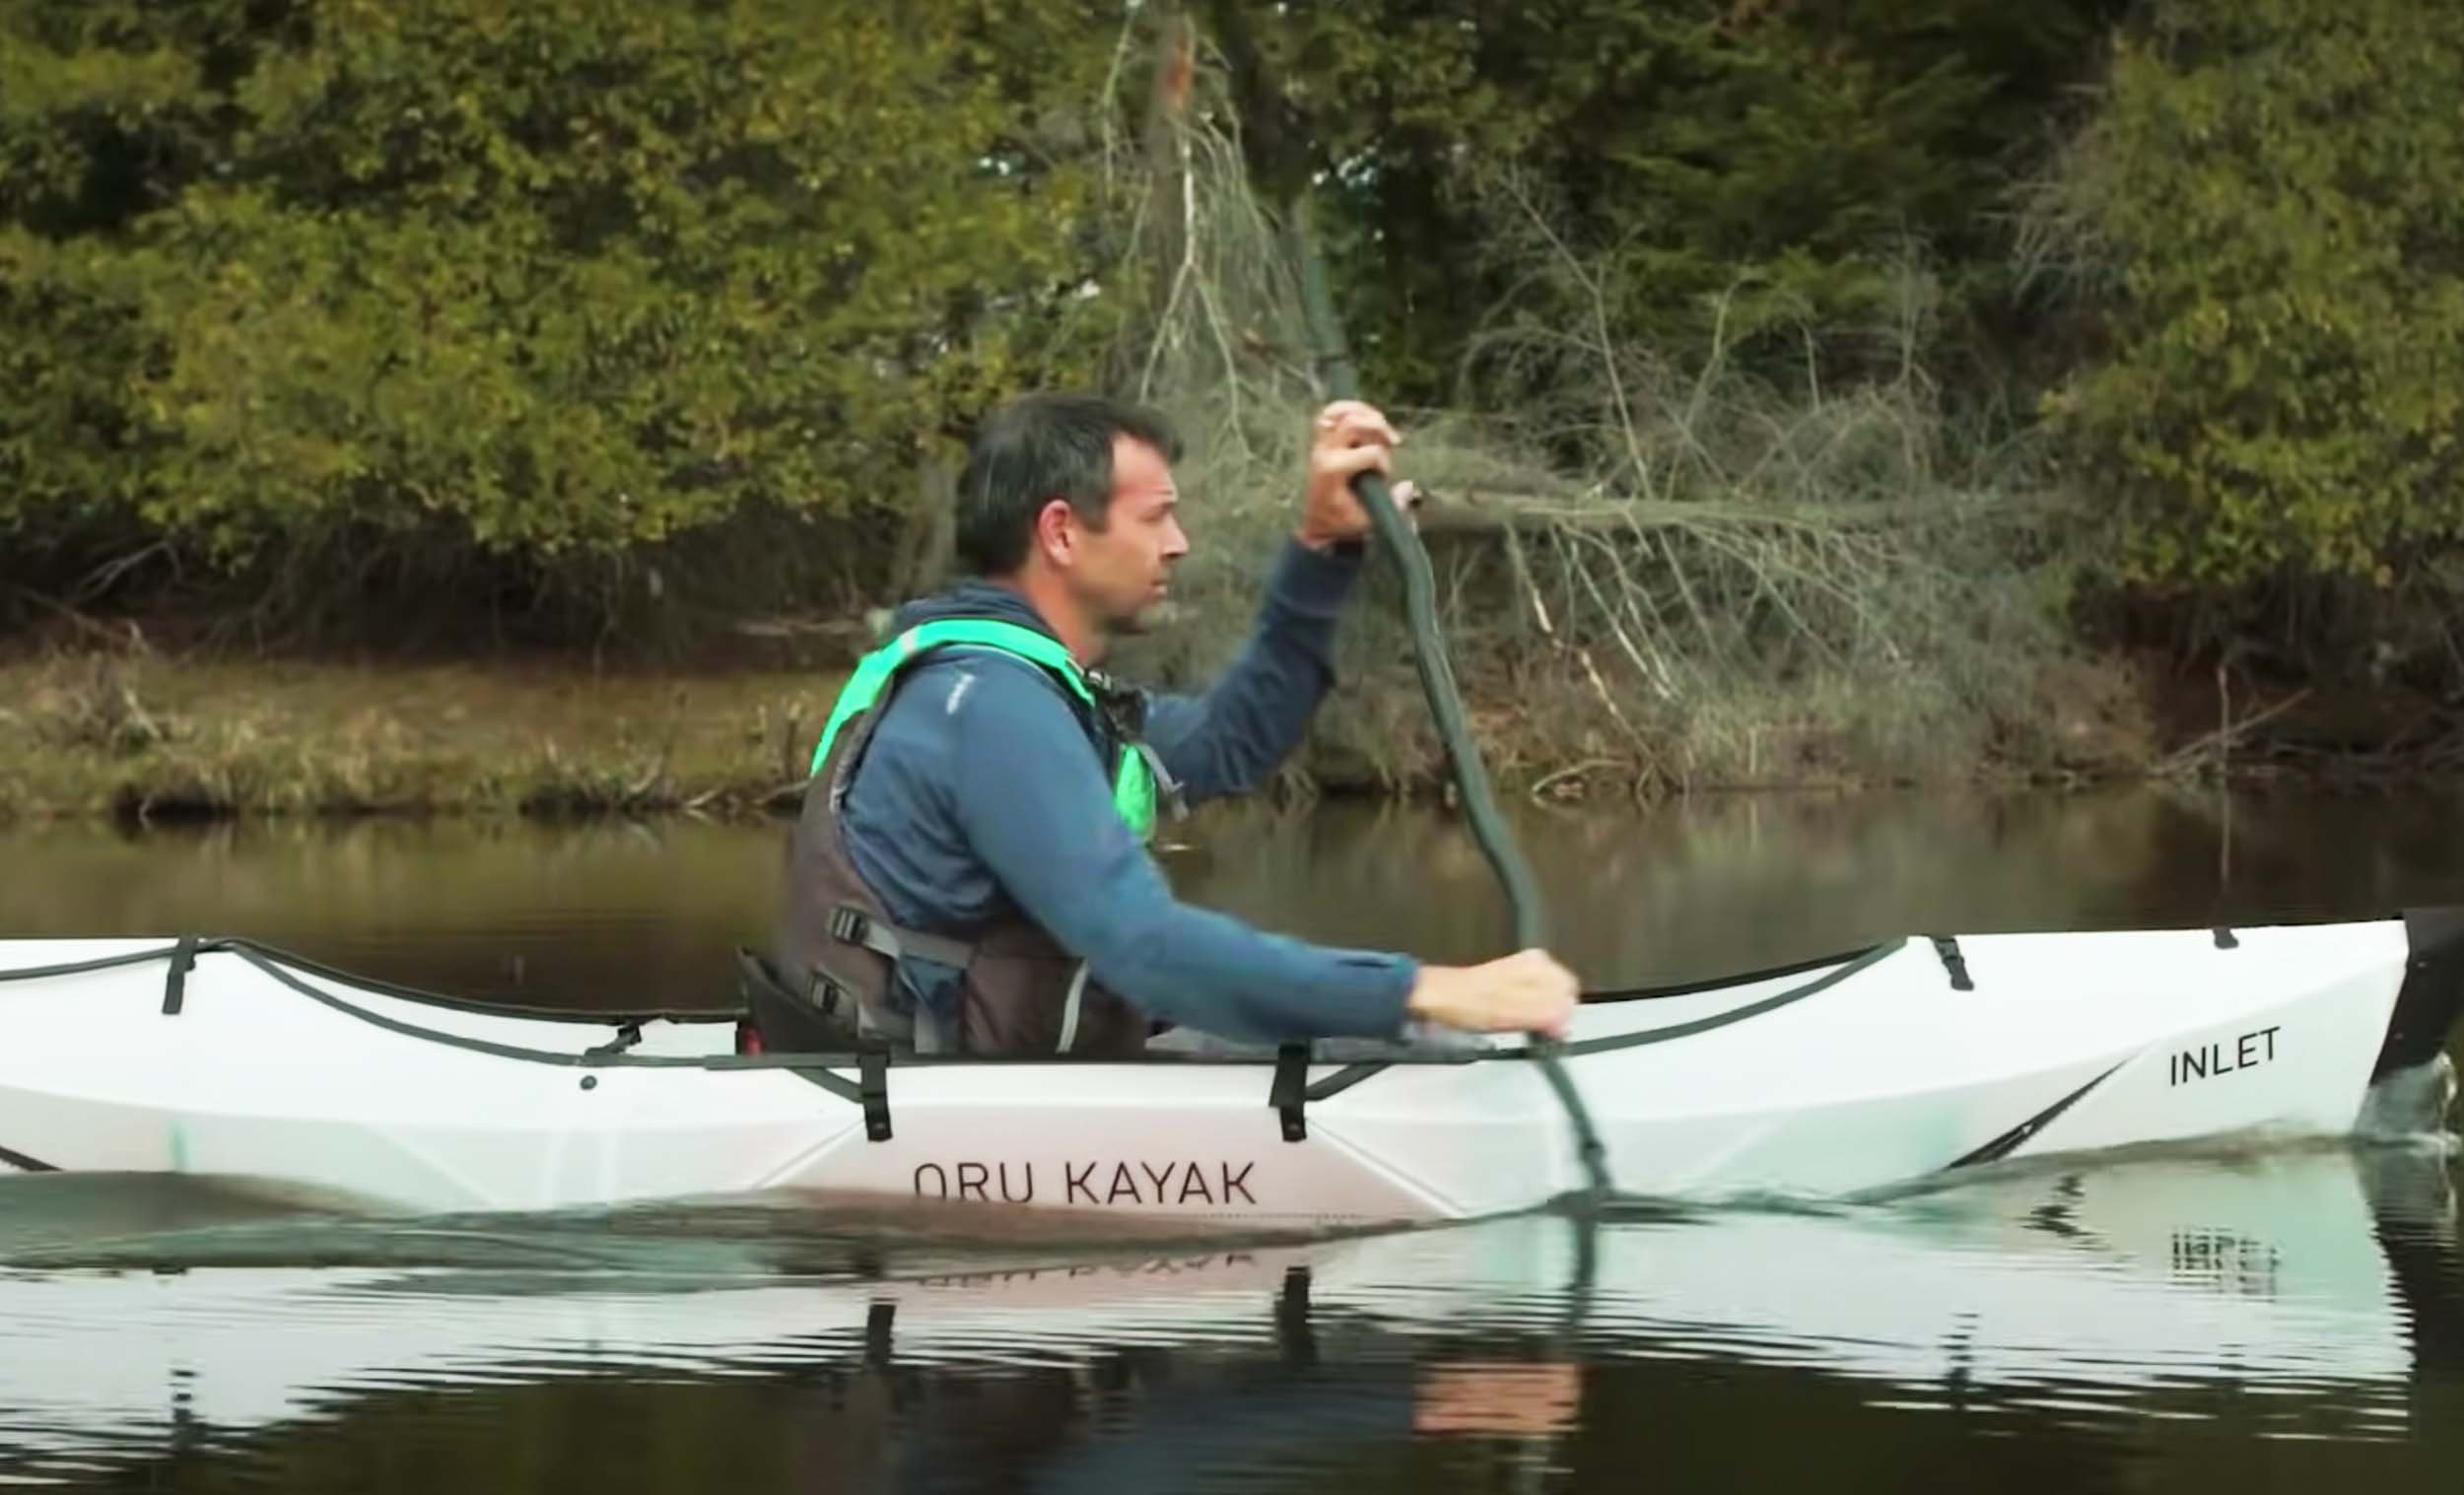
pixel 1138 774
pixel 1020 991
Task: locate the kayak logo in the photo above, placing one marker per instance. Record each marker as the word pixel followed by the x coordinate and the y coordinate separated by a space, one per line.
pixel 1098 1182
pixel 2208 1061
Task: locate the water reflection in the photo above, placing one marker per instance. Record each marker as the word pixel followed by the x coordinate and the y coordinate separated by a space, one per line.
pixel 623 915
pixel 2307 1294
pixel 1728 883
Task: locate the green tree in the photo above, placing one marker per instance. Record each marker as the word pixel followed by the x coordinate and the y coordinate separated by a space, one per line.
pixel 1764 168
pixel 2266 210
pixel 548 282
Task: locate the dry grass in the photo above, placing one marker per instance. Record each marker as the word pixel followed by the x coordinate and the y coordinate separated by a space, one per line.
pixel 151 736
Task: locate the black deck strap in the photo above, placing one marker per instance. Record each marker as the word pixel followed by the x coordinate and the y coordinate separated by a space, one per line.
pixel 807 1067
pixel 1343 1079
pixel 1771 1003
pixel 873 1091
pixel 100 963
pixel 1291 1090
pixel 1947 946
pixel 481 1006
pixel 837 1084
pixel 175 984
pixel 1731 979
pixel 628 1033
pixel 801 1060
pixel 574 1060
pixel 2225 939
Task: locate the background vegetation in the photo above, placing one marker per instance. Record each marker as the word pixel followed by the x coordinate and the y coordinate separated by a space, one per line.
pixel 1856 389
pixel 347 300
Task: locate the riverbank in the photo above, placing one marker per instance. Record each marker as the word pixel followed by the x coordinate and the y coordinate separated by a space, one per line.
pixel 152 737
pixel 146 736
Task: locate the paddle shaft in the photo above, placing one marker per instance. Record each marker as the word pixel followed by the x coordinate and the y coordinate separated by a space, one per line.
pixel 1437 683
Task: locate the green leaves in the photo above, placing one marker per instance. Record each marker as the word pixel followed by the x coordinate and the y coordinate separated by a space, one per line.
pixel 1752 173
pixel 2273 183
pixel 556 279
pixel 549 285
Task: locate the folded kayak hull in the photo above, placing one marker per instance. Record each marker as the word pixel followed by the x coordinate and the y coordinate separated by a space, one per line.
pixel 1837 1076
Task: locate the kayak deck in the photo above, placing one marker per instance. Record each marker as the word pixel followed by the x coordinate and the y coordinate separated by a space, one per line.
pixel 1843 1075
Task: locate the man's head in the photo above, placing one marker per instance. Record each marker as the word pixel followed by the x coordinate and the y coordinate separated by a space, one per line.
pixel 1071 498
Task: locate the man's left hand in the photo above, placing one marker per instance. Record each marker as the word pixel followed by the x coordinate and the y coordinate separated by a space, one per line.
pixel 1349 437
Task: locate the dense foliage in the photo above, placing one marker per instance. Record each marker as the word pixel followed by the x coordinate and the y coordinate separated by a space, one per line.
pixel 2265 212
pixel 1763 172
pixel 554 278
pixel 291 287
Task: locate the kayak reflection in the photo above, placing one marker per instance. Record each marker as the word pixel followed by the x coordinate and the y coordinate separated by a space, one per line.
pixel 2329 1273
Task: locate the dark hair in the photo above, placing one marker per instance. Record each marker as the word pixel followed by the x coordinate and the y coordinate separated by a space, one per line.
pixel 1037 448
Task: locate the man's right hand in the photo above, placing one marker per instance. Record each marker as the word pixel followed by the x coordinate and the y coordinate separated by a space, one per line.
pixel 1523 993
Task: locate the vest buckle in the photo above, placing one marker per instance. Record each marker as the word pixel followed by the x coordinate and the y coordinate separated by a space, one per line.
pixel 826 993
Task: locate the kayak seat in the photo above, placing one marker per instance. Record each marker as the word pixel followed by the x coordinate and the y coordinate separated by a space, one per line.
pixel 785 1020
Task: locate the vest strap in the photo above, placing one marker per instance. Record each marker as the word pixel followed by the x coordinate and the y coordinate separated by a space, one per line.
pixel 1168 790
pixel 851 925
pixel 930 1034
pixel 1071 1009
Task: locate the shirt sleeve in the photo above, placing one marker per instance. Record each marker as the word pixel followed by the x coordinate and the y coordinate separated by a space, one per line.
pixel 1229 738
pixel 1036 806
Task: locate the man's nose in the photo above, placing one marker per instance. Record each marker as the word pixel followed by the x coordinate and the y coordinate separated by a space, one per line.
pixel 1176 541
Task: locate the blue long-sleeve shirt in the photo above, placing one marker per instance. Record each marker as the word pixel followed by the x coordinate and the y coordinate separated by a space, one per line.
pixel 985 789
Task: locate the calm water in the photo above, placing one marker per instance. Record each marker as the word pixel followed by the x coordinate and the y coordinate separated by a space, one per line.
pixel 2282 1320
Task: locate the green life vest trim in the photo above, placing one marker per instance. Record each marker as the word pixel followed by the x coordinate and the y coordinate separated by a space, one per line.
pixel 1133 791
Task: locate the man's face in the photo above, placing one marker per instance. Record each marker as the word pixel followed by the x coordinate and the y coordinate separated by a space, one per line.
pixel 1124 570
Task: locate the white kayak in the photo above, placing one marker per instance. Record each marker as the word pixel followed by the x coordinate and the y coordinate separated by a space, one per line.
pixel 1840 1075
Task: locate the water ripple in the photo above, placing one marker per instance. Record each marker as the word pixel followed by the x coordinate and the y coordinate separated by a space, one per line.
pixel 2309 1295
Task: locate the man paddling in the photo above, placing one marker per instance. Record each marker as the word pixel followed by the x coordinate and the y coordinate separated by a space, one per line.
pixel 970 872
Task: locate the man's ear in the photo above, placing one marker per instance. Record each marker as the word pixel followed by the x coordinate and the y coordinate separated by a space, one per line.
pixel 1055 531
